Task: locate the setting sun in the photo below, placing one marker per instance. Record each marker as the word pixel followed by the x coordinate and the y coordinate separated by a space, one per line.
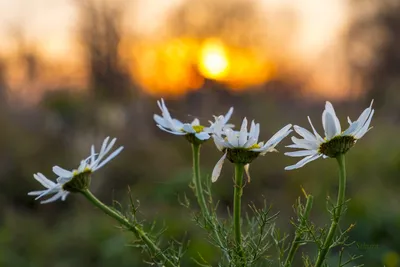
pixel 213 60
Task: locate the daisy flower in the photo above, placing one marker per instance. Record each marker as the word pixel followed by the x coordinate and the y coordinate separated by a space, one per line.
pixel 242 147
pixel 193 131
pixel 77 179
pixel 335 142
pixel 51 188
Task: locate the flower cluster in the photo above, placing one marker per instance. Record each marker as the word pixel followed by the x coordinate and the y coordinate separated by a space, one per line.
pixel 240 147
pixel 77 179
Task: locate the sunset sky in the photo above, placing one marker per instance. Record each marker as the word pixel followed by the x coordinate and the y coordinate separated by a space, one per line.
pixel 51 26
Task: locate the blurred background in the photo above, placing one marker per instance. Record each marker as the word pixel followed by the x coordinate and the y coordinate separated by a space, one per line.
pixel 73 72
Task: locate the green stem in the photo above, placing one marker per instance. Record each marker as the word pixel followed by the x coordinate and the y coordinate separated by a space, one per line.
pixel 197 180
pixel 238 192
pixel 337 212
pixel 139 233
pixel 200 195
pixel 297 238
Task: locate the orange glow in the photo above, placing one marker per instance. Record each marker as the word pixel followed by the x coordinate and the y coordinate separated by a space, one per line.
pixel 167 68
pixel 213 61
pixel 176 66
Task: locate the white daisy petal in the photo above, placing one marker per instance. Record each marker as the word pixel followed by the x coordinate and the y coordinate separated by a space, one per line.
pixel 303 162
pixel 228 115
pixel 303 143
pixel 306 134
pixel 36 193
pixel 160 120
pixel 232 137
pixel 104 145
pixel 219 142
pixel 64 196
pixel 195 122
pixel 301 153
pixel 365 128
pixel 354 127
pixel 202 136
pixel 172 132
pixel 43 180
pixel 252 141
pixel 62 172
pixel 92 154
pixel 53 198
pixel 177 124
pixel 188 128
pixel 331 110
pixel 243 133
pixel 329 125
pixel 246 170
pixel 110 157
pixel 217 169
pixel 282 133
pixel 319 138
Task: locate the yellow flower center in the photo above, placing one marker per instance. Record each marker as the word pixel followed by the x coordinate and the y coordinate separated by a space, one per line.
pixel 254 146
pixel 198 128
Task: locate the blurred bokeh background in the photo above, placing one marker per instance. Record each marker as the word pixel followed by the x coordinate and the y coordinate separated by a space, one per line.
pixel 74 72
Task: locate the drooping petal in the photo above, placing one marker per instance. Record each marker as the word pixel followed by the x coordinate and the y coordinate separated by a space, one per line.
pixel 246 170
pixel 303 162
pixel 217 169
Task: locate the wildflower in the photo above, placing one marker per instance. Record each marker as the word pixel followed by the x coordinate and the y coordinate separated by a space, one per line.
pixel 194 131
pixel 51 188
pixel 242 147
pixel 78 179
pixel 336 141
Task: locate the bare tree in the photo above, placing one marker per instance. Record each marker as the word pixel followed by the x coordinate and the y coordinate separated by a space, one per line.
pixel 101 36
